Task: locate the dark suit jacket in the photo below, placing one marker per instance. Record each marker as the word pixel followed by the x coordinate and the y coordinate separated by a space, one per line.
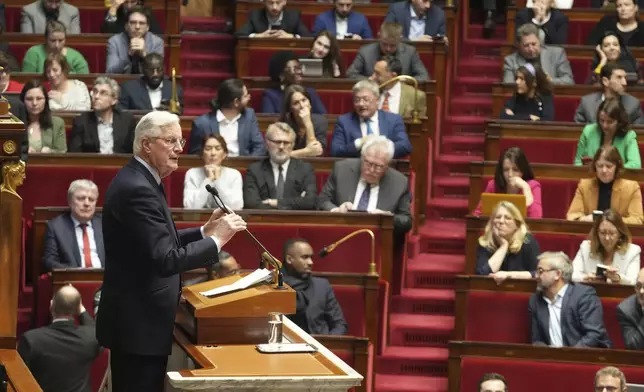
pixel 135 95
pixel 609 23
pixel 251 141
pixel 400 13
pixel 347 130
pixel 370 54
pixel 258 23
pixel 259 185
pixel 555 29
pixel 60 355
pixel 631 320
pixel 145 255
pixel 273 101
pixel 357 23
pixel 84 136
pixel 61 250
pixel 322 314
pixel 393 194
pixel 587 110
pixel 582 319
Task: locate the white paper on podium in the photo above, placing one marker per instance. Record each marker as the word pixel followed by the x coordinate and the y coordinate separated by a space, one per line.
pixel 257 276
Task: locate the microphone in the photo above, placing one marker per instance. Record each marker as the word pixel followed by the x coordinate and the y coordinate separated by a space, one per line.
pixel 279 280
pixel 330 248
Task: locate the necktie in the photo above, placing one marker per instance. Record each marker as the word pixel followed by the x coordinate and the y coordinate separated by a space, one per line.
pixel 280 183
pixel 369 130
pixel 87 253
pixel 385 103
pixel 363 203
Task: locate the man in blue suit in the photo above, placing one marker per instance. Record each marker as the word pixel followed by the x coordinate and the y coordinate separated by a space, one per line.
pixel 352 129
pixel 342 22
pixel 232 119
pixel 420 20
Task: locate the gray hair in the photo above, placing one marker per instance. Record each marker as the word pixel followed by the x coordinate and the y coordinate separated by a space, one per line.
pixel 152 125
pixel 526 30
pixel 282 127
pixel 366 84
pixel 114 86
pixel 379 143
pixel 81 184
pixel 559 261
pixel 614 372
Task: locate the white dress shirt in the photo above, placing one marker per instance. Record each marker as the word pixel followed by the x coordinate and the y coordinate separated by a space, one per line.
pixel 276 170
pixel 559 4
pixel 155 96
pixel 375 129
pixel 373 195
pixel 417 25
pixel 229 130
pixel 394 98
pixel 554 324
pixel 105 135
pixel 93 250
pixel 341 27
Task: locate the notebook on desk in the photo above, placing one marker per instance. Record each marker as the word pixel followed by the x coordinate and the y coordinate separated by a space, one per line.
pixel 490 200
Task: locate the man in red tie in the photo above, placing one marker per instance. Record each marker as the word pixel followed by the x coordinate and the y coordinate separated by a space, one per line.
pixel 396 96
pixel 75 239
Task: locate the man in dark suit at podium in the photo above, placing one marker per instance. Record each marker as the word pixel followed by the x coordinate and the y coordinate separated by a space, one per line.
pixel 145 256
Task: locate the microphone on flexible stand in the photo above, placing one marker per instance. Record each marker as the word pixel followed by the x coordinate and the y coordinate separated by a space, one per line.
pixel 372 265
pixel 278 279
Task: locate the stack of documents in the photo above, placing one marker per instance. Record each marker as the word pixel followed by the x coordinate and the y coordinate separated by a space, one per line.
pixel 255 277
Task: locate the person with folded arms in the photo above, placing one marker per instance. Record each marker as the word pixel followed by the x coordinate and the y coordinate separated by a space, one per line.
pixel 532 99
pixel 609 244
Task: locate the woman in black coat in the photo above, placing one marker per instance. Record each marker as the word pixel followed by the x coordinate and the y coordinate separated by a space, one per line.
pixel 532 100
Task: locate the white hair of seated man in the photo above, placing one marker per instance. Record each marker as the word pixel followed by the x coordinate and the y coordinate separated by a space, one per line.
pixel 152 125
pixel 81 184
pixel 379 143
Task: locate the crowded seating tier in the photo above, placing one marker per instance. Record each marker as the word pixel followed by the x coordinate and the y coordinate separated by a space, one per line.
pixel 545 142
pixel 478 314
pixel 536 368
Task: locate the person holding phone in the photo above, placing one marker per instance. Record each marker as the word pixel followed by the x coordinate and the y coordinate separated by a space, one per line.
pixel 420 19
pixel 274 21
pixel 608 254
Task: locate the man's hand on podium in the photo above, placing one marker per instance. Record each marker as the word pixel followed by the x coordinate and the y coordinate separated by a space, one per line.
pixel 223 227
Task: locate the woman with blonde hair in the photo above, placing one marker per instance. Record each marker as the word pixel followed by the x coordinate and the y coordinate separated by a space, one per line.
pixel 609 243
pixel 507 249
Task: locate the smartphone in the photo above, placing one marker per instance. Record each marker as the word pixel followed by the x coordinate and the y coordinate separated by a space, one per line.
pixel 276 26
pixel 600 273
pixel 597 214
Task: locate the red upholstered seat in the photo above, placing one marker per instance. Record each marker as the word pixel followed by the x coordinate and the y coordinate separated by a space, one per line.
pixel 578 31
pixel 580 69
pixel 536 376
pixel 351 300
pixel 543 150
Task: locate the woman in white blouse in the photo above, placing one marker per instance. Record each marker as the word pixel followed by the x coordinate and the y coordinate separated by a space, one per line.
pixel 609 244
pixel 64 93
pixel 226 180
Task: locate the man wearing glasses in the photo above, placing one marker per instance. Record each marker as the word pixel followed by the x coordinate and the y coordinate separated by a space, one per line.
pixel 279 181
pixel 36 15
pixel 562 313
pixel 631 316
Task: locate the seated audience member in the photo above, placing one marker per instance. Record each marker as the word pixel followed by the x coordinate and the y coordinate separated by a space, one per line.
pixel 514 175
pixel 116 17
pixel 106 129
pixel 609 244
pixel 606 190
pixel 611 49
pixel 60 355
pixel 532 99
pixel 226 180
pixel 46 132
pixel 613 80
pixel 420 19
pixel 610 378
pixel 558 4
pixel 552 23
pixel 274 21
pixel 326 48
pixel 492 382
pixel 611 129
pixel 7 85
pixel 552 59
pixel 12 63
pixel 342 22
pixel 226 266
pixel 317 309
pixel 623 21
pixel 65 94
pixel 284 69
pixel 506 249
pixel 152 91
pixel 351 129
pixel 75 238
pixel 556 294
pixel 397 97
pixel 310 128
pixel 55 39
pixel 369 184
pixel 631 317
pixel 231 118
pixel 280 181
pixel 126 51
pixel 34 16
pixel 389 45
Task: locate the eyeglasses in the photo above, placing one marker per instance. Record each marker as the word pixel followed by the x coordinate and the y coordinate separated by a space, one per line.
pixel 362 99
pixel 541 270
pixel 373 166
pixel 172 141
pixel 286 143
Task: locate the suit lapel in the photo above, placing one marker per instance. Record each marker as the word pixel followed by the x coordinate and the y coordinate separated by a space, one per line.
pixel 615 196
pixel 357 132
pixel 544 318
pixel 98 238
pixel 382 127
pixel 144 95
pixel 270 179
pixel 289 180
pixel 563 318
pixel 74 242
pixel 166 90
pixel 355 178
pixel 407 20
pixel 92 131
pixel 118 128
pixel 383 188
pixel 242 135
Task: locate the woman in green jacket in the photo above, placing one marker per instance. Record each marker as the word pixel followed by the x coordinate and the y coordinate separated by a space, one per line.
pixel 612 129
pixel 55 37
pixel 46 132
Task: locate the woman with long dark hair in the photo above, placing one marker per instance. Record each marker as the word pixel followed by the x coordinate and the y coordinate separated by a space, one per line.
pixel 310 128
pixel 532 99
pixel 325 46
pixel 46 132
pixel 611 48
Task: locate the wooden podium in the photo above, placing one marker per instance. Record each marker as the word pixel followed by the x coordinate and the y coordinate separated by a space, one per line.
pixel 219 335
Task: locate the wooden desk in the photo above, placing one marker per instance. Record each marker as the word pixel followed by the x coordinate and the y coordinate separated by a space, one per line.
pixel 20 378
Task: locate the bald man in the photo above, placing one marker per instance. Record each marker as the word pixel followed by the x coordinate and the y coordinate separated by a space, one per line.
pixel 631 316
pixel 60 355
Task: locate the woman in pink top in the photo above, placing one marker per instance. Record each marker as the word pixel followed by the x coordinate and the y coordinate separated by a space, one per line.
pixel 514 175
